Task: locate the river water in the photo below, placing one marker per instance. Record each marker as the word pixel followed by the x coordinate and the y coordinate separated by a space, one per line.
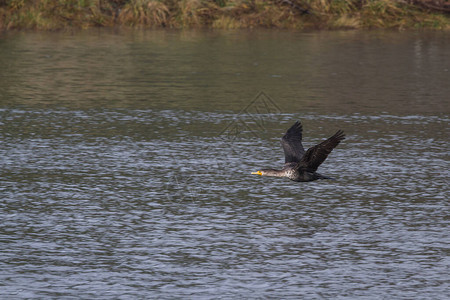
pixel 126 159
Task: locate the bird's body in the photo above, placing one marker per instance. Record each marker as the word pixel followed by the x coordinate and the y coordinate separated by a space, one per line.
pixel 301 165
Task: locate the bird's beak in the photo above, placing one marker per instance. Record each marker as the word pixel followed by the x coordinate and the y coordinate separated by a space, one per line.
pixel 257 173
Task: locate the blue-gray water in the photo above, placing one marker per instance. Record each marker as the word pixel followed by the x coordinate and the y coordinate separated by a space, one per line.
pixel 126 160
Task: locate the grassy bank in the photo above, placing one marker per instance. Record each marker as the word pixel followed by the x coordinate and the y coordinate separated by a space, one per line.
pixel 225 14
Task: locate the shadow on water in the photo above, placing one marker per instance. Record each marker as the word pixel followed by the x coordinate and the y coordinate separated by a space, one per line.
pixel 126 164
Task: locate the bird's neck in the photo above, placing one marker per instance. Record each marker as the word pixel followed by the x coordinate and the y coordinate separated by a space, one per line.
pixel 273 173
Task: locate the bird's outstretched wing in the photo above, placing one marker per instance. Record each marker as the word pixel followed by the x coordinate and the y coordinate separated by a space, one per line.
pixel 292 143
pixel 316 155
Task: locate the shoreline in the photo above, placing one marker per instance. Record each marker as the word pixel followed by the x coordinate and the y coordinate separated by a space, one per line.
pixel 48 15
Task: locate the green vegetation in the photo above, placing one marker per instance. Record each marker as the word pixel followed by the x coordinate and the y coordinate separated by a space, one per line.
pixel 225 14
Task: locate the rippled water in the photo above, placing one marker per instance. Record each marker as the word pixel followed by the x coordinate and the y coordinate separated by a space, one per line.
pixel 126 160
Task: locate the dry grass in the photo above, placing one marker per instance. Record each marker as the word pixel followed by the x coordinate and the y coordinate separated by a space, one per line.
pixel 196 13
pixel 226 22
pixel 146 13
pixel 52 14
pixel 224 14
pixel 401 15
pixel 346 22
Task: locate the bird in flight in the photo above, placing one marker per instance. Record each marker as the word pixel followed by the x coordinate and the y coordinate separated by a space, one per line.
pixel 300 165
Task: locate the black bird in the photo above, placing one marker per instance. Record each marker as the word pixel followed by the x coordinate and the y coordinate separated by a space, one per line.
pixel 300 165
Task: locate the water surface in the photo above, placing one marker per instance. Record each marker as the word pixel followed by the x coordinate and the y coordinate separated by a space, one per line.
pixel 126 160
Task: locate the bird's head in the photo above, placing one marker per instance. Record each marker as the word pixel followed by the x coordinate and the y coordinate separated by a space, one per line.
pixel 260 172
